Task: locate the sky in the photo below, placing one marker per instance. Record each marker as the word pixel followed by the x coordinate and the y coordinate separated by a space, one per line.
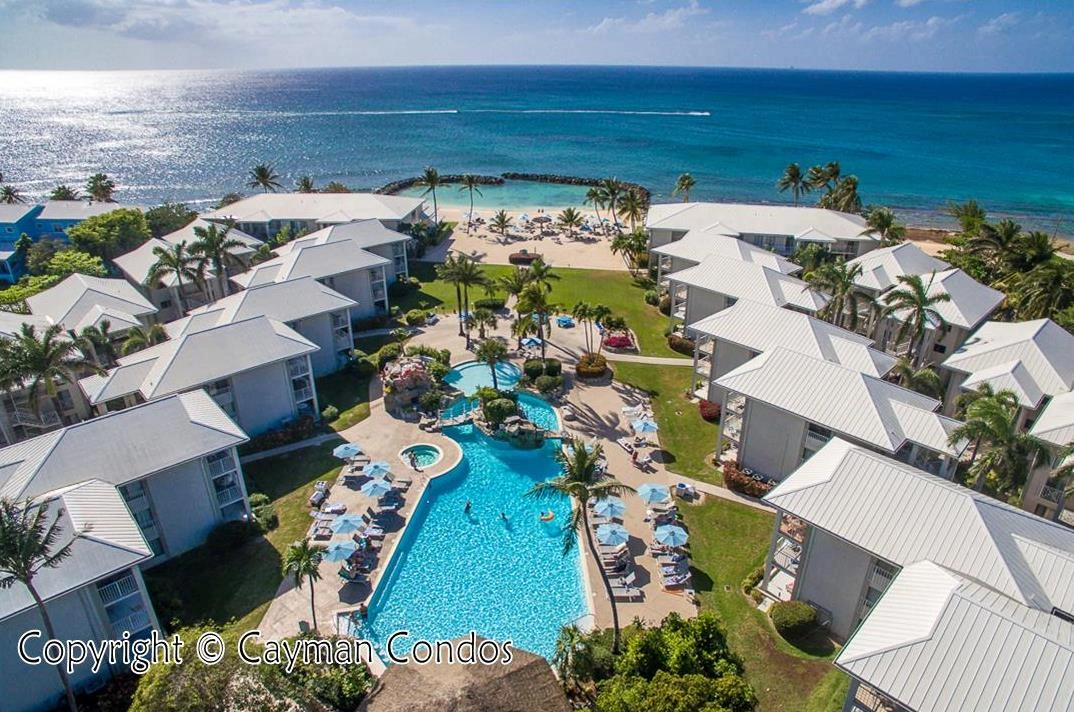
pixel 912 35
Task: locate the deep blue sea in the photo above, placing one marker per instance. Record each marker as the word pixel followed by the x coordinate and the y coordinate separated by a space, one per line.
pixel 915 141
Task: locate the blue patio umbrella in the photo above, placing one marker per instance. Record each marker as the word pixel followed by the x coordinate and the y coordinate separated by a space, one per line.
pixel 347 450
pixel 377 469
pixel 340 551
pixel 651 492
pixel 609 507
pixel 376 488
pixel 530 341
pixel 346 524
pixel 671 535
pixel 612 534
pixel 644 425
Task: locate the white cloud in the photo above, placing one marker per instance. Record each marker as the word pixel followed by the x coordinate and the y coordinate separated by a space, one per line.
pixel 908 3
pixel 827 7
pixel 909 31
pixel 1000 24
pixel 671 19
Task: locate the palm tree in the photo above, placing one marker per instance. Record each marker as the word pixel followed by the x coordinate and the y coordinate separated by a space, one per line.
pixel 596 197
pixel 826 176
pixel 968 398
pixel 794 181
pixel 305 185
pixel 176 260
pixel 47 360
pixel 1007 452
pixel 995 243
pixel 470 183
pixel 431 180
pixel 10 195
pixel 1042 291
pixel 483 319
pixel 228 199
pixel 843 196
pixel 918 312
pixel 214 247
pixel 583 312
pixel 881 222
pixel 970 216
pixel 64 192
pixel 533 302
pixel 101 188
pixel 683 186
pixel 597 316
pixel 1063 474
pixel 811 256
pixel 140 337
pixel 570 219
pixel 573 658
pixel 29 542
pixel 1031 249
pixel 613 188
pixel 100 342
pixel 265 177
pixel 303 562
pixel 448 271
pixel 522 326
pixel 582 480
pixel 501 221
pixel 923 380
pixel 541 274
pixel 632 207
pixel 491 352
pixel 838 280
pixel 630 246
pixel 513 282
pixel 468 274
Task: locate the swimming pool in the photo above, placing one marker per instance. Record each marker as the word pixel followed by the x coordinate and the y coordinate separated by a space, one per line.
pixel 425 455
pixel 534 408
pixel 471 375
pixel 455 572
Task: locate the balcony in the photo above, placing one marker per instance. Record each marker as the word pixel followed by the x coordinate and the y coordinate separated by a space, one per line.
pixel 814 442
pixel 228 495
pixel 221 466
pixel 303 394
pixel 117 590
pixel 297 368
pixel 137 621
pixel 1051 494
pixel 26 417
pixel 736 404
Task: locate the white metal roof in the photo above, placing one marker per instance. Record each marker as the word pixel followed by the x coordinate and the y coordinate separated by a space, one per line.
pixel 14 213
pixel 80 209
pixel 80 301
pixel 1040 350
pixel 138 263
pixel 855 404
pixel 971 302
pixel 904 515
pixel 881 269
pixel 761 327
pixel 288 301
pixel 1055 424
pixel 757 219
pixel 943 643
pixel 696 245
pixel 11 323
pixel 745 280
pixel 197 358
pixel 118 447
pixel 318 207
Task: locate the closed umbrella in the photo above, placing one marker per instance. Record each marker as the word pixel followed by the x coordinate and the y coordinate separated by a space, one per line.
pixel 645 425
pixel 612 534
pixel 609 507
pixel 651 492
pixel 340 551
pixel 377 469
pixel 531 341
pixel 346 524
pixel 671 535
pixel 376 488
pixel 347 450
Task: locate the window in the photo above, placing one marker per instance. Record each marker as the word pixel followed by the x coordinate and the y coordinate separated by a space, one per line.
pixel 165 303
pixel 939 348
pixel 880 575
pixel 64 399
pixel 9 229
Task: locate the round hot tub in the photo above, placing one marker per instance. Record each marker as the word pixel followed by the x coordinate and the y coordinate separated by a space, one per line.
pixel 425 455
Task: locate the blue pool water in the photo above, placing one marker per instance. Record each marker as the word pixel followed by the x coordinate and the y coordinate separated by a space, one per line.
pixel 471 375
pixel 455 572
pixel 536 410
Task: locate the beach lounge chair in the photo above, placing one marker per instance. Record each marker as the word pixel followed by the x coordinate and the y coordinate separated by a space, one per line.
pixel 369 532
pixel 625 589
pixel 334 508
pixel 351 576
pixel 677 581
pixel 611 550
pixel 321 532
pixel 626 444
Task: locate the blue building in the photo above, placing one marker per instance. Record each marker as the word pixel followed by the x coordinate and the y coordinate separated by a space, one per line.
pixel 15 220
pixel 57 216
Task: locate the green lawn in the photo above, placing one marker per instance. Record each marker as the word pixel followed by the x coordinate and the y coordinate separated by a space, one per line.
pixel 348 393
pixel 618 290
pixel 234 589
pixel 688 440
pixel 727 541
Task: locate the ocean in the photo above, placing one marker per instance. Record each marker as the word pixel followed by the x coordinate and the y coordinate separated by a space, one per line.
pixel 916 141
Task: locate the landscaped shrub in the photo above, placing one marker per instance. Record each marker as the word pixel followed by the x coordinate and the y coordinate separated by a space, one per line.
pixel 438 370
pixel 652 297
pixel 498 410
pixel 665 305
pixel 229 535
pixel 756 596
pixel 710 412
pixel 490 303
pixel 290 432
pixel 641 260
pixel 552 367
pixel 738 481
pixel 752 579
pixel 415 317
pixel 330 413
pixel 547 384
pixel 402 287
pixel 591 366
pixel 441 355
pixel 430 401
pixel 533 367
pixel 618 341
pixel 388 353
pixel 486 394
pixel 681 344
pixel 258 499
pixel 614 323
pixel 362 367
pixel 372 322
pixel 793 620
pixel 265 517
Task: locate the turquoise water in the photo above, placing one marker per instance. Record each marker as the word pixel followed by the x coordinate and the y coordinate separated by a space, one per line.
pixel 455 572
pixel 424 455
pixel 471 375
pixel 536 410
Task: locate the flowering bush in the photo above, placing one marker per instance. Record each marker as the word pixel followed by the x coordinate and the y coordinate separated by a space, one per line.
pixel 618 341
pixel 738 481
pixel 709 411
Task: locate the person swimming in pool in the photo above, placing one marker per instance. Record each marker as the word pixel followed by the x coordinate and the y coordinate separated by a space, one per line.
pixel 503 516
pixel 466 509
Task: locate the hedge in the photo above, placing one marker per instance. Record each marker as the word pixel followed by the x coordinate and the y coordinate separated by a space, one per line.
pixel 738 481
pixel 552 367
pixel 291 432
pixel 533 367
pixel 591 366
pixel 547 384
pixel 710 412
pixel 493 303
pixel 793 620
pixel 681 344
pixel 415 317
pixel 752 579
pixel 665 305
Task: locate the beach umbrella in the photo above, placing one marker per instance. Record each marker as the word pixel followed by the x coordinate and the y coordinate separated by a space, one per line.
pixel 346 524
pixel 347 450
pixel 376 488
pixel 524 217
pixel 340 551
pixel 671 535
pixel 609 507
pixel 542 219
pixel 651 492
pixel 644 425
pixel 531 341
pixel 377 469
pixel 612 534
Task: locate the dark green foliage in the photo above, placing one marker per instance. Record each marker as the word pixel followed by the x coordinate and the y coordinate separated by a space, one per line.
pixel 752 579
pixel 229 535
pixel 548 384
pixel 793 620
pixel 652 297
pixel 665 305
pixel 431 400
pixel 40 253
pixel 441 355
pixel 533 367
pixel 496 411
pixel 388 353
pixel 552 367
pixel 402 287
pixel 110 234
pixel 415 317
pixel 438 370
pixel 169 217
pixel 676 693
pixel 492 303
pixel 681 344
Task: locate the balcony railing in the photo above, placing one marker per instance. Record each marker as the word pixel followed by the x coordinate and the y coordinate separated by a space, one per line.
pixel 139 620
pixel 118 589
pixel 297 369
pixel 1051 494
pixel 228 495
pixel 29 419
pixel 303 394
pixel 815 442
pixel 221 466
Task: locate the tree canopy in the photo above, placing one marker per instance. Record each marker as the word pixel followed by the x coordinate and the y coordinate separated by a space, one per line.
pixel 111 234
pixel 169 217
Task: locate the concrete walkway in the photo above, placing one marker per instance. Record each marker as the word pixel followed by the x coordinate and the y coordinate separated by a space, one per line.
pixel 282 449
pixel 655 360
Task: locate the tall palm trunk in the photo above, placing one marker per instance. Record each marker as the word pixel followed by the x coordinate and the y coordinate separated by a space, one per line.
pixel 495 382
pixel 221 274
pixel 470 219
pixel 603 576
pixel 313 606
pixel 466 310
pixel 71 704
pixel 436 210
pixel 458 302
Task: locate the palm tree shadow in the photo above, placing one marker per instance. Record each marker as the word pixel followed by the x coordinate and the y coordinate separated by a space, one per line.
pixel 701 580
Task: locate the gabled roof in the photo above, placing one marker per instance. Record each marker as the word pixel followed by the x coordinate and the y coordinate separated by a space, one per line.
pixel 761 327
pixel 970 303
pixel 283 301
pixel 137 263
pixel 318 207
pixel 904 515
pixel 881 269
pixel 104 539
pixel 696 245
pixel 1055 424
pixel 744 280
pixel 118 447
pixel 331 251
pixel 758 219
pixel 11 323
pixel 80 301
pixel 80 209
pixel 855 404
pixel 197 358
pixel 1018 354
pixel 940 642
pixel 13 213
